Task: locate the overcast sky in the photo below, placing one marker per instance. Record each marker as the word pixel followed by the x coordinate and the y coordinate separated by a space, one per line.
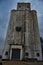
pixel 7 5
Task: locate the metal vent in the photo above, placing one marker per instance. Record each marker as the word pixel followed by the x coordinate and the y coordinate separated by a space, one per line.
pixel 18 28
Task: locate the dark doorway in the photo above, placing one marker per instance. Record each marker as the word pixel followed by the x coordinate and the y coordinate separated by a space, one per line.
pixel 15 54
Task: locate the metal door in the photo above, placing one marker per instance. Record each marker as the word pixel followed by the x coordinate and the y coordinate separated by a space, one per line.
pixel 16 54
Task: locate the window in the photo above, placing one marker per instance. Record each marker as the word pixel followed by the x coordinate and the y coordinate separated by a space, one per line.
pixel 26 54
pixel 6 53
pixel 38 54
pixel 18 28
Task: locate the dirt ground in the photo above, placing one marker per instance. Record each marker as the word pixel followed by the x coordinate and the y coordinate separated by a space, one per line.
pixel 21 63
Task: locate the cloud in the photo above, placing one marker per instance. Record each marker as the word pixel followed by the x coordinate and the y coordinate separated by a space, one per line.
pixel 41 0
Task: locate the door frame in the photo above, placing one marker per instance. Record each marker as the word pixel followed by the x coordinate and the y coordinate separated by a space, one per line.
pixel 16 47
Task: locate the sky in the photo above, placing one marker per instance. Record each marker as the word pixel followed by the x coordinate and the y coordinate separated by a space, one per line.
pixel 5 8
